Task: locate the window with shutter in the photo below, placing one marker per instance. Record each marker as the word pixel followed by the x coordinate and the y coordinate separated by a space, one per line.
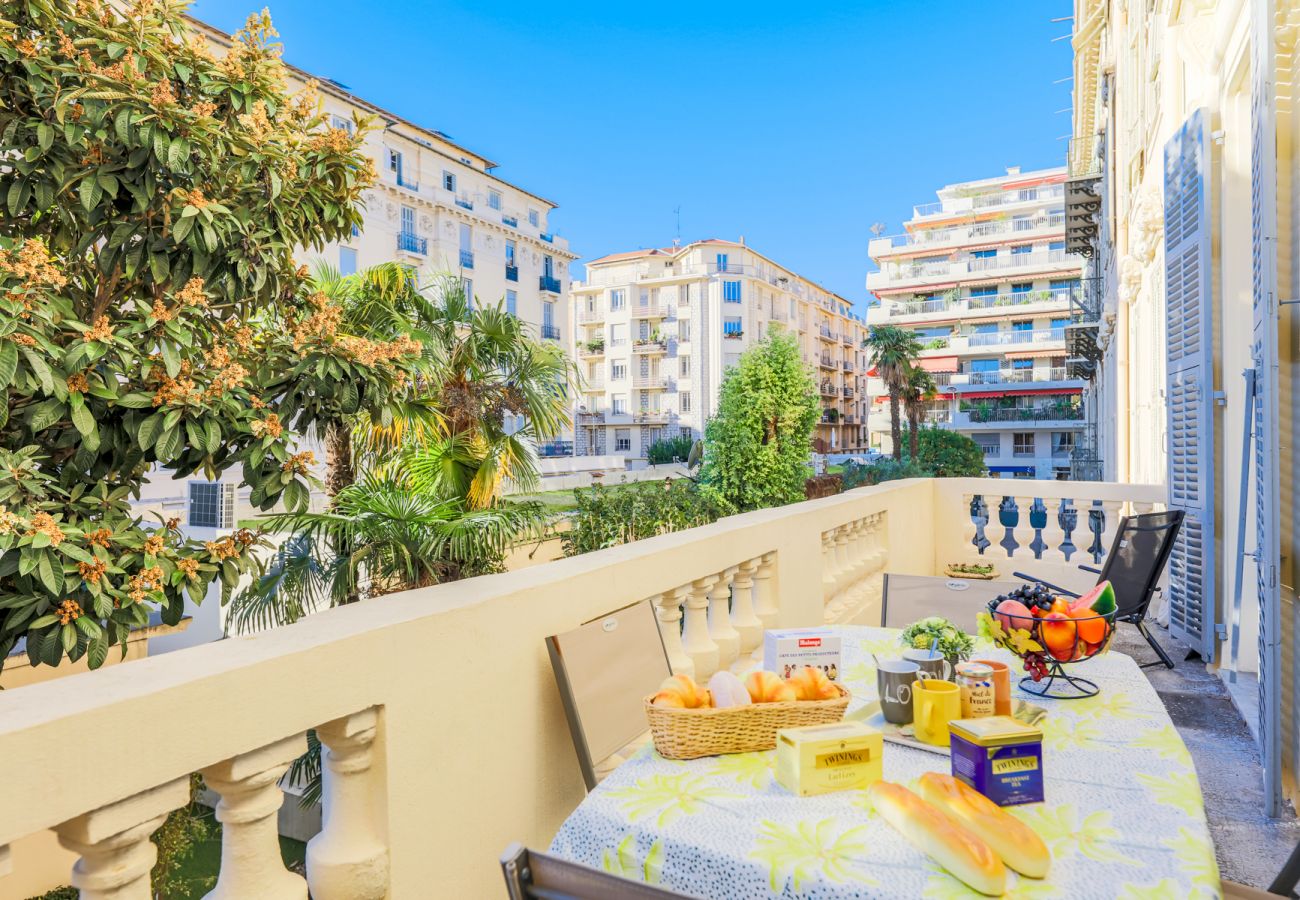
pixel 1189 390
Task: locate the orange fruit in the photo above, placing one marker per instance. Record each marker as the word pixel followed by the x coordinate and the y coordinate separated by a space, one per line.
pixel 1059 634
pixel 1060 605
pixel 1092 627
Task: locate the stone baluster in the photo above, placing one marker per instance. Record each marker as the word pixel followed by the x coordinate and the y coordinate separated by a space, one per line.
pixel 668 609
pixel 879 541
pixel 844 547
pixel 251 865
pixel 348 859
pixel 1097 526
pixel 743 617
pixel 1051 531
pixel 829 571
pixel 720 628
pixel 1009 518
pixel 979 517
pixel 765 605
pixel 113 843
pixel 696 642
pixel 1037 522
pixel 1067 517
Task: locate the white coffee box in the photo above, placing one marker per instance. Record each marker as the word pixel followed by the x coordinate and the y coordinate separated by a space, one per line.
pixel 785 650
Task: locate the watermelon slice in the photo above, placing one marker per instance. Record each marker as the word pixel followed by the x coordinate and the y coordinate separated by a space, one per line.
pixel 1101 599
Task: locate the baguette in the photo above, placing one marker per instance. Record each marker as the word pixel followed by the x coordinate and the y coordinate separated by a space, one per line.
pixel 1011 839
pixel 950 845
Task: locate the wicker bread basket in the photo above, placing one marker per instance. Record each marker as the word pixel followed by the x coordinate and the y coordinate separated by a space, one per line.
pixel 692 733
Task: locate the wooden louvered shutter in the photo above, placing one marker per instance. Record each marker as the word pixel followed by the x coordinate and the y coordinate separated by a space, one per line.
pixel 1264 360
pixel 1189 391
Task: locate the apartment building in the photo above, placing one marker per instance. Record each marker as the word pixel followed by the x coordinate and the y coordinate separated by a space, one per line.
pixel 657 329
pixel 1183 196
pixel 981 277
pixel 439 208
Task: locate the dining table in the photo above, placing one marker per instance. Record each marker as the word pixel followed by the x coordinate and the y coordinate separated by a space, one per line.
pixel 1123 815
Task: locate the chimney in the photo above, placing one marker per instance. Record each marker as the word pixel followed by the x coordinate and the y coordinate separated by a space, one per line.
pixel 1013 170
pixel 742 240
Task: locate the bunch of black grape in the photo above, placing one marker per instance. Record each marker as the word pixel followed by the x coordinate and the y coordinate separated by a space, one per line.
pixel 1032 594
pixel 1035 665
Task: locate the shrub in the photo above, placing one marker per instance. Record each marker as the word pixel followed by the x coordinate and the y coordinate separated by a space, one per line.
pixel 892 470
pixel 667 450
pixel 947 454
pixel 756 448
pixel 609 516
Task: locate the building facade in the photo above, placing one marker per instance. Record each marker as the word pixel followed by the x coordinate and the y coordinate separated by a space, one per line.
pixel 981 277
pixel 440 209
pixel 1183 197
pixel 655 331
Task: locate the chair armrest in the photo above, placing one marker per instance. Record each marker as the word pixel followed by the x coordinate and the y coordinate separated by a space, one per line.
pixel 1091 569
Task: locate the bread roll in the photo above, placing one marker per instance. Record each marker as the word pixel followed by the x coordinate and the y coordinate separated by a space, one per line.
pixel 810 683
pixel 727 690
pixel 682 692
pixel 963 854
pixel 767 687
pixel 1011 839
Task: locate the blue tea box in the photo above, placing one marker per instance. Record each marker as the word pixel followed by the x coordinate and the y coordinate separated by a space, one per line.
pixel 1000 757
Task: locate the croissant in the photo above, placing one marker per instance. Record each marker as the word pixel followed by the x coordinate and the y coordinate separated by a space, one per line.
pixel 811 683
pixel 682 692
pixel 767 687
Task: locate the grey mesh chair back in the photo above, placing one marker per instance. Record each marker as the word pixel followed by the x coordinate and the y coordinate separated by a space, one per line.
pixel 906 598
pixel 532 875
pixel 1137 559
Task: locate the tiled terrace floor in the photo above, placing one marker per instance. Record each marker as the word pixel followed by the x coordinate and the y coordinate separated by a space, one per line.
pixel 1251 847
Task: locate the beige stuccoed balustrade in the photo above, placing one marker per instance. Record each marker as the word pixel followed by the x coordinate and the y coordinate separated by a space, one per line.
pixel 113 843
pixel 469 748
pixel 348 860
pixel 743 617
pixel 250 846
pixel 668 609
pixel 720 628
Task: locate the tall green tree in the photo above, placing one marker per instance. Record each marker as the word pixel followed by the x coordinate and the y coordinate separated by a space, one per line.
pixel 151 312
pixel 892 350
pixel 756 448
pixel 918 389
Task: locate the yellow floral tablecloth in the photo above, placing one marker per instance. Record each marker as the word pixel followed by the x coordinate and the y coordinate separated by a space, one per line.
pixel 1123 815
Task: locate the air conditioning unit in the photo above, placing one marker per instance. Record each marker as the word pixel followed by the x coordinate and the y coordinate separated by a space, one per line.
pixel 212 504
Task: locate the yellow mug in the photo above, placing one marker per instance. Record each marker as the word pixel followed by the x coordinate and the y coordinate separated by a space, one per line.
pixel 934 705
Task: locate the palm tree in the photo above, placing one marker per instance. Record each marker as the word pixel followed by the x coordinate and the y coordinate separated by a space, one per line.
pixel 892 350
pixel 379 304
pixel 491 393
pixel 919 389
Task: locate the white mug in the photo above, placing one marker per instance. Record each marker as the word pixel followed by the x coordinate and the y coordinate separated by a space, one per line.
pixel 933 663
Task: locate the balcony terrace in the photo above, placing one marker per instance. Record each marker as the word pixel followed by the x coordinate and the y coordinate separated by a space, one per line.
pixel 924 239
pixel 904 311
pixel 650 346
pixel 904 274
pixel 442 699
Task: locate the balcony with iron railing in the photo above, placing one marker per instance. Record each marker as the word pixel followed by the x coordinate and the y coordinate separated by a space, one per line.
pixel 405 181
pixel 1036 375
pixel 548 283
pixel 952 305
pixel 827 389
pixel 464 201
pixel 467 259
pixel 1042 416
pixel 550 332
pixel 408 739
pixel 409 242
pixel 512 273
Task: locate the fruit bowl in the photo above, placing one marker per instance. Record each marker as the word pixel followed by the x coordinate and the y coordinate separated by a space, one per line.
pixel 1050 632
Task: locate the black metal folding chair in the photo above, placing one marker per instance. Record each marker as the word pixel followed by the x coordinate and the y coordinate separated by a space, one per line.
pixel 1284 885
pixel 1133 567
pixel 532 875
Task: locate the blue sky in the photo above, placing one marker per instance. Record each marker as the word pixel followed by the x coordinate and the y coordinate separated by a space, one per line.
pixel 796 126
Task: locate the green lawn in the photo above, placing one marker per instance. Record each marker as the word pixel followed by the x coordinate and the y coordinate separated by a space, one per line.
pixel 554 501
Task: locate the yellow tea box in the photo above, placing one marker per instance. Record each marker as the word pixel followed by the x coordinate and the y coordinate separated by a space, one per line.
pixel 817 759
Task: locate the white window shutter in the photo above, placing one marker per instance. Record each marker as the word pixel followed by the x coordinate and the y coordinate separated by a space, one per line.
pixel 1264 360
pixel 1189 387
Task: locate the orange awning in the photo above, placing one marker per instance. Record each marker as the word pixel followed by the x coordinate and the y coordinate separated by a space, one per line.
pixel 1032 354
pixel 937 364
